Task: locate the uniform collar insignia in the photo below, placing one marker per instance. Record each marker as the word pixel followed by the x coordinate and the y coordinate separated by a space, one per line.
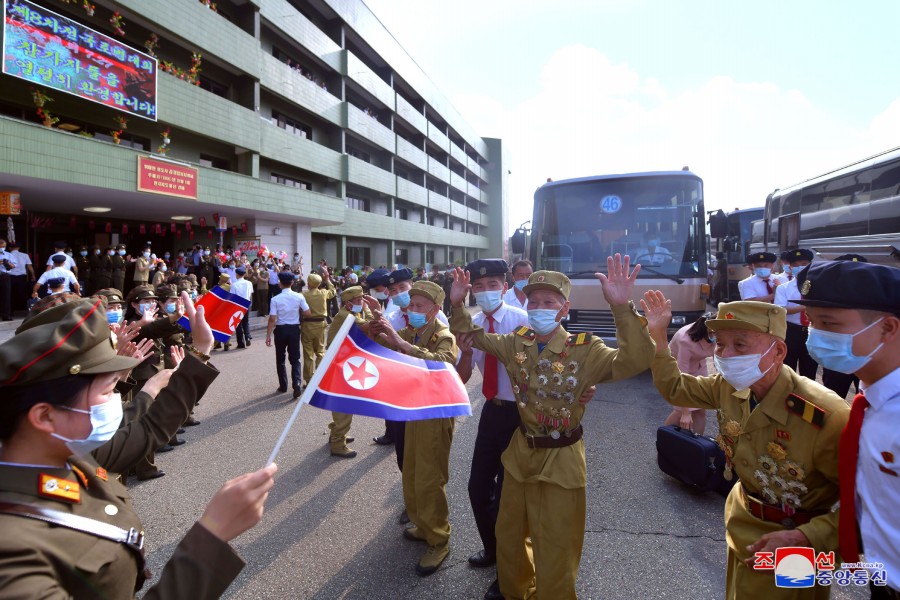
pixel 58 488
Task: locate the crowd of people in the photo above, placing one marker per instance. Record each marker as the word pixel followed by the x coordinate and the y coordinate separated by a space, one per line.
pixel 94 385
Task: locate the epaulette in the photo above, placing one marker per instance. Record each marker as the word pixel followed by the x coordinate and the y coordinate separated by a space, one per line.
pixel 526 332
pixel 806 410
pixel 578 339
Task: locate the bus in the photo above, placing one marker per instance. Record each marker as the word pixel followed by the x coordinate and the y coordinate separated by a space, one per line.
pixel 656 218
pixel 730 236
pixel 854 209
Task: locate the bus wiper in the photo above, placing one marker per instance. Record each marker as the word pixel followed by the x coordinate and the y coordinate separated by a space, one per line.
pixel 674 278
pixel 582 274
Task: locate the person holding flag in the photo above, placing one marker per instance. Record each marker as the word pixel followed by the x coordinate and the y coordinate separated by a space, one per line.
pixel 545 474
pixel 426 462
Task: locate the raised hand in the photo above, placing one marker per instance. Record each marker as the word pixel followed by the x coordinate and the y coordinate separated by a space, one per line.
pixel 462 283
pixel 619 283
pixel 177 353
pixel 149 314
pixel 658 311
pixel 200 331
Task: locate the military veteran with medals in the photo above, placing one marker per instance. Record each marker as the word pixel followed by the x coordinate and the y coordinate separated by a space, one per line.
pixel 545 474
pixel 779 432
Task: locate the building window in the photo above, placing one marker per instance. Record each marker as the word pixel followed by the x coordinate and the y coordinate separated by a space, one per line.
pixel 358 204
pixel 215 163
pixel 357 255
pixel 211 86
pixel 401 213
pixel 401 256
pixel 357 153
pixel 290 182
pixel 127 140
pixel 292 125
pixel 429 257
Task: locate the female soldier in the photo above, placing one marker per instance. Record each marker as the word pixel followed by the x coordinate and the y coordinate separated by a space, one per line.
pixel 69 526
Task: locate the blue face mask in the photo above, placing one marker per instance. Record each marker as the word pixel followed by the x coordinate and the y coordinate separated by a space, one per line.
pixel 520 285
pixel 84 252
pixel 143 308
pixel 171 308
pixel 835 350
pixel 653 243
pixel 416 320
pixel 356 308
pixel 490 300
pixel 401 299
pixel 105 421
pixel 788 270
pixel 763 272
pixel 543 321
pixel 113 317
pixel 121 253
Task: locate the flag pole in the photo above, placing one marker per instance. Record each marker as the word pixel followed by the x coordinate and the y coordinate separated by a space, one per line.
pixel 314 382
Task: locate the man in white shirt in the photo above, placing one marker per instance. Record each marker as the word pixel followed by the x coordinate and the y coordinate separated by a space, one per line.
pixel 243 288
pixel 652 253
pixel 21 274
pixel 760 286
pixel 58 270
pixel 797 356
pixel 854 313
pixel 7 266
pixel 521 271
pixel 499 416
pixel 284 323
pixel 59 250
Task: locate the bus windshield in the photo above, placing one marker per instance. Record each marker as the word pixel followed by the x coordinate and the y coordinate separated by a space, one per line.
pixel 656 220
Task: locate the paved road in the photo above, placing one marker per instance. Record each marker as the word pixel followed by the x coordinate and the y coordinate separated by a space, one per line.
pixel 330 526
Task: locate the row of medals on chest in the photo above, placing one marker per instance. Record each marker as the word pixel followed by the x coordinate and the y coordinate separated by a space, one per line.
pixel 780 480
pixel 557 382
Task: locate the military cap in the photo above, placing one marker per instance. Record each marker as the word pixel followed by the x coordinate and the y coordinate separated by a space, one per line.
pixel 120 246
pixel 240 270
pixel 798 254
pixel 224 279
pixel 58 258
pixel 286 277
pixel 184 286
pixel 377 278
pixel 549 280
pixel 68 339
pixel 853 258
pixel 166 291
pixel 46 303
pixel 785 256
pixel 54 282
pixel 59 245
pixel 848 284
pixel 749 315
pixel 428 289
pixel 112 295
pixel 399 275
pixel 487 267
pixel 761 257
pixel 314 280
pixel 351 293
pixel 142 292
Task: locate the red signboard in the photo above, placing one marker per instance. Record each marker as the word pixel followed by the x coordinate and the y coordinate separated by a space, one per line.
pixel 9 203
pixel 162 177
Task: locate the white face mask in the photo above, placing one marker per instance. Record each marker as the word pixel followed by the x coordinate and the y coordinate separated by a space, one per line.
pixel 380 295
pixel 489 300
pixel 105 421
pixel 742 371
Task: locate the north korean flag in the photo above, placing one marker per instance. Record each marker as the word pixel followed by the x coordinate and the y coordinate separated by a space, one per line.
pixel 361 377
pixel 224 312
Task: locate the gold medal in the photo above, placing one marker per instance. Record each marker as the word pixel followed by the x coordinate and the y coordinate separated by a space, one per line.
pixel 727 474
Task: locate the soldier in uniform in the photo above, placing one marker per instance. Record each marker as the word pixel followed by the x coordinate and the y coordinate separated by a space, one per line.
pixel 854 313
pixel 785 295
pixel 779 432
pixel 760 286
pixel 426 462
pixel 142 267
pixel 545 475
pixel 101 270
pixel 284 323
pixel 118 267
pixel 259 276
pixel 83 264
pixel 312 334
pixel 352 305
pixel 61 447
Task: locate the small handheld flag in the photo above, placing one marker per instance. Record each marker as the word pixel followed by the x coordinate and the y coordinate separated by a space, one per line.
pixel 224 312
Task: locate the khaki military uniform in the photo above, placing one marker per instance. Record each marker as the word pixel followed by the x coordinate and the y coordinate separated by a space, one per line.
pixel 340 422
pixel 312 331
pixel 426 459
pixel 543 493
pixel 260 279
pixel 140 275
pixel 785 453
pixel 118 272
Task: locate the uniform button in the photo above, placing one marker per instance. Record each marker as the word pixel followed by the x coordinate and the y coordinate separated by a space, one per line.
pixel 111 509
pixel 749 436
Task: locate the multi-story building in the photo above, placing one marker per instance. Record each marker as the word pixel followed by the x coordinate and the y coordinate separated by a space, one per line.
pixel 303 122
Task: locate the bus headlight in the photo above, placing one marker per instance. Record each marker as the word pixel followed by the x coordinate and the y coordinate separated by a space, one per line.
pixel 678 320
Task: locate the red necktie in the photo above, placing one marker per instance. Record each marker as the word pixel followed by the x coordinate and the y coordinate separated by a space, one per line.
pixel 406 318
pixel 769 287
pixel 489 383
pixel 847 458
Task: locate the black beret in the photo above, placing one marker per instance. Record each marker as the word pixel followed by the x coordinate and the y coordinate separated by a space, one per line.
pixel 378 277
pixel 758 257
pixel 59 244
pixel 58 258
pixel 240 270
pixel 487 267
pixel 399 275
pixel 848 284
pixel 286 277
pixel 785 256
pixel 798 254
pixel 853 258
pixel 55 281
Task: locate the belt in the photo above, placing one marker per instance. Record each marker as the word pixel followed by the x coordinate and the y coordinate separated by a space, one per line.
pixel 287 325
pixel 502 403
pixel 313 319
pixel 548 441
pixel 773 514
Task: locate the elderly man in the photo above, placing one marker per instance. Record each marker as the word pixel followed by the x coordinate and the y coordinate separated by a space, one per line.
pixel 779 432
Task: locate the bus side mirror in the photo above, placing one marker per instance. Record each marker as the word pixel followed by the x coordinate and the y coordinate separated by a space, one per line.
pixel 718 225
pixel 517 242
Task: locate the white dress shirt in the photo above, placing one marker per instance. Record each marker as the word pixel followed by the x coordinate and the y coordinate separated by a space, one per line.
pixel 755 287
pixel 786 292
pixel 8 257
pixel 21 260
pixel 511 299
pixel 506 320
pixel 242 288
pixel 70 262
pixel 62 272
pixel 273 276
pixel 878 476
pixel 286 306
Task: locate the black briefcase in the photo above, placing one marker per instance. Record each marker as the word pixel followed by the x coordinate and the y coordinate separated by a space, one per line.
pixel 692 459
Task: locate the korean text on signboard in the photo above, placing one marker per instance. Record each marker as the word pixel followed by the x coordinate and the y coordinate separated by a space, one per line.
pixel 162 177
pixel 248 247
pixel 48 49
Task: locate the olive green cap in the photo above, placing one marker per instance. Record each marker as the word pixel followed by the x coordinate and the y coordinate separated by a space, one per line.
pixel 112 295
pixel 68 339
pixel 166 291
pixel 549 280
pixel 351 293
pixel 141 292
pixel 314 281
pixel 749 315
pixel 428 289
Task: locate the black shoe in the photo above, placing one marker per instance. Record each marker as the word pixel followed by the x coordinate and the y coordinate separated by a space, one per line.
pixel 349 439
pixel 180 430
pixel 241 346
pixel 248 342
pixel 493 592
pixel 148 476
pixel 297 393
pixel 166 448
pixel 191 422
pixel 282 390
pixel 176 442
pixel 383 440
pixel 482 559
pixel 403 519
